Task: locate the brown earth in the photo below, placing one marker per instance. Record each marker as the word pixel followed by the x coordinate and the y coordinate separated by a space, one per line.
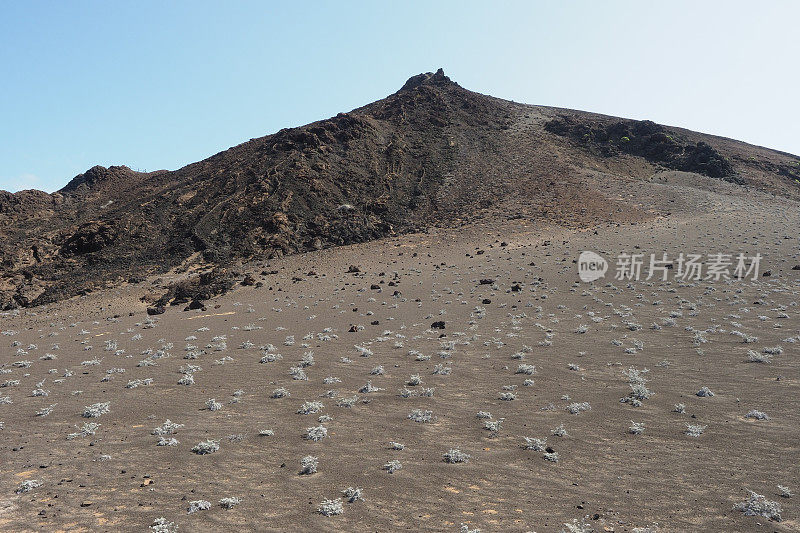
pixel 530 310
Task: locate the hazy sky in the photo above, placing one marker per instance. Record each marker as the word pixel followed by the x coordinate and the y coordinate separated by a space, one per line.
pixel 161 84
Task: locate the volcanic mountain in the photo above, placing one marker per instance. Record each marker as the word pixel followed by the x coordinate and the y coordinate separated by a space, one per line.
pixel 433 153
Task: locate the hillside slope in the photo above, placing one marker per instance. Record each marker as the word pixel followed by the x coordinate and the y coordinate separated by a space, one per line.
pixel 432 153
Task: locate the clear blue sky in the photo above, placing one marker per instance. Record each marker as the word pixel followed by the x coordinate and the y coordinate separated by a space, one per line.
pixel 161 84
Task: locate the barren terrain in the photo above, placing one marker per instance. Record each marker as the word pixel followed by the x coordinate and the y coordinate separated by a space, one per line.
pixel 475 337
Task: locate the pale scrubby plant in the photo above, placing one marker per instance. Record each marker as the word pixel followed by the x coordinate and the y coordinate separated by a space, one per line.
pixel 206 447
pixel 198 505
pixel 46 410
pixel 364 352
pixel 442 370
pixel 298 373
pixel 560 431
pixel 483 415
pixel 89 428
pixel 96 409
pixel 537 445
pixel 331 507
pixel 162 525
pixel 353 494
pixel 785 492
pixel 551 456
pixel 347 402
pixel 308 465
pixel 493 425
pixel 213 405
pixel 414 380
pixel 280 393
pixel 369 388
pixel 455 455
pixel 772 350
pixel 393 466
pixel 420 415
pixel 266 433
pixel 577 527
pixel 186 379
pixel 758 505
pixel 695 430
pixel 230 502
pixel 756 414
pixel 704 392
pixel 310 408
pixel 507 396
pixel 755 357
pixel 526 369
pixel 679 408
pixel 167 428
pixel 576 407
pixel 396 445
pixel 377 371
pixel 28 485
pixel 307 360
pixel 636 428
pixel 316 433
pixel 167 441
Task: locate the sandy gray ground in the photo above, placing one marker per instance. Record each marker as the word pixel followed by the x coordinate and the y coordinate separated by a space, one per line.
pixel 118 479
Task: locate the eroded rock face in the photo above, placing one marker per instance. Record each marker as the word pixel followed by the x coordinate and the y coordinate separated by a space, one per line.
pixel 644 139
pixel 89 237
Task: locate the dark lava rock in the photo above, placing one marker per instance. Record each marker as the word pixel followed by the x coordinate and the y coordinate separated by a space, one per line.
pixel 439 324
pixel 156 310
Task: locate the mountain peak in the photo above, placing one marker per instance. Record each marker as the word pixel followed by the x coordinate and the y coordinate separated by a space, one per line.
pixel 427 78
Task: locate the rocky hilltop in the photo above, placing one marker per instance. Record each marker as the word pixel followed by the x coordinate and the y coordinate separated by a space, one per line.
pixel 433 153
